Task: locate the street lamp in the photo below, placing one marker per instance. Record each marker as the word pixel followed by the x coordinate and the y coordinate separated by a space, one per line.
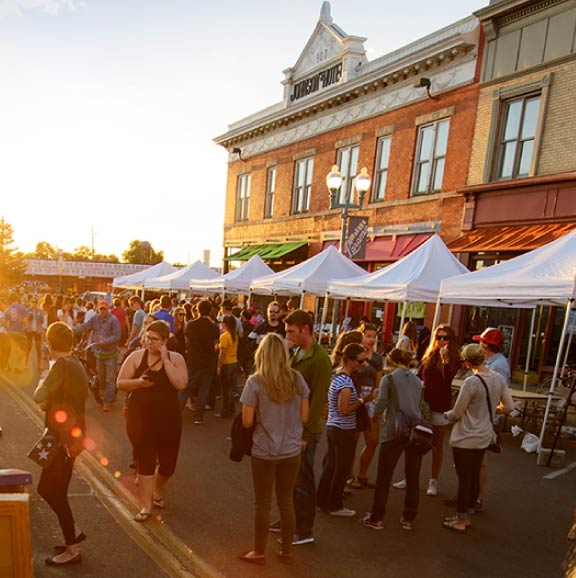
pixel 334 183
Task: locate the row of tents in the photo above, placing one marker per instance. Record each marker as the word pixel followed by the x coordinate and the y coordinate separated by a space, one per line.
pixel 431 273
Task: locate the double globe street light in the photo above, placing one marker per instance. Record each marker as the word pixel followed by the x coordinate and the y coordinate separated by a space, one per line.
pixel 334 181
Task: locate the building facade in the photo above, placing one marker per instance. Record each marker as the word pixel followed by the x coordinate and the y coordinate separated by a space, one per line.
pixel 521 189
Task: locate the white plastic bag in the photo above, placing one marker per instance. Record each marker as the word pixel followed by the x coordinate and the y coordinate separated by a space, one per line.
pixel 530 443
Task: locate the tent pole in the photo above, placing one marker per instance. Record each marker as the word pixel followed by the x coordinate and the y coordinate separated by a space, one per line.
pixel 436 313
pixel 249 298
pixel 527 368
pixel 569 344
pixel 556 367
pixel 302 295
pixel 324 315
pixel 347 307
pixel 402 318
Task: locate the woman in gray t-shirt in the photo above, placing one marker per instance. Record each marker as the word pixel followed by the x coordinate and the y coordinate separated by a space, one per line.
pixel 275 399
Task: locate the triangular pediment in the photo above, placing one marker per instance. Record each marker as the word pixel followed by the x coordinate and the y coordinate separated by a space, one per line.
pixel 325 45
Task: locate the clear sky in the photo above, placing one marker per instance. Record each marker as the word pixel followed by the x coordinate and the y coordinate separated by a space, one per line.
pixel 108 108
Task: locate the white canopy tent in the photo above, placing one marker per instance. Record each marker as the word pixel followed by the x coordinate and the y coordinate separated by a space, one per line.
pixel 137 280
pixel 236 281
pixel 180 280
pixel 545 276
pixel 415 277
pixel 308 278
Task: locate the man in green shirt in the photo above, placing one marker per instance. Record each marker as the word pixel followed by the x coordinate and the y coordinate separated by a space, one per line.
pixel 312 361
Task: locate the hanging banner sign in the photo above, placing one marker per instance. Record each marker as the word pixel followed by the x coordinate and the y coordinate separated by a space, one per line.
pixel 355 246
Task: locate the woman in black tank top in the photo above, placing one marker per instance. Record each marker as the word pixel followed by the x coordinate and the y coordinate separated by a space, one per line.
pixel 153 376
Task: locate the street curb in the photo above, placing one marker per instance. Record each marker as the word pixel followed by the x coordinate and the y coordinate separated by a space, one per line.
pixel 159 543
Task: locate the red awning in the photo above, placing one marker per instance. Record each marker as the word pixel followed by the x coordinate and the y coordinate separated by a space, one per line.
pixel 523 238
pixel 390 248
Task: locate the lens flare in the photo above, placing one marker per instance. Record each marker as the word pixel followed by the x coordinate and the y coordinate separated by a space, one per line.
pixel 89 444
pixel 104 461
pixel 117 474
pixel 76 432
pixel 60 416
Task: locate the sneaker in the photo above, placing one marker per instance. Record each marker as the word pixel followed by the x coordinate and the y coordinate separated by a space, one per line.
pixel 344 513
pixel 198 421
pixel 298 541
pixel 401 485
pixel 432 487
pixel 366 521
pixel 406 525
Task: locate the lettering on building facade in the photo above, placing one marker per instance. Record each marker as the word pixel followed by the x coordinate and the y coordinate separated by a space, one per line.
pixel 322 79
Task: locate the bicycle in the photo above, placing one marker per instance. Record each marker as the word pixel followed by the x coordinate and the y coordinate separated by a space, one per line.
pixel 80 353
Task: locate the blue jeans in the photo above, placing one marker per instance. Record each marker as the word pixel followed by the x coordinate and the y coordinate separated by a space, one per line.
pixel 305 490
pixel 199 384
pixel 106 369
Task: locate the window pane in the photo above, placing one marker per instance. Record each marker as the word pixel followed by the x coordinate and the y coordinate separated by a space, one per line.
pixel 530 118
pixel 441 138
pixel 513 114
pixel 525 158
pixel 381 186
pixel 508 159
pixel 438 174
pixel 384 153
pixel 344 161
pixel 354 162
pixel 423 176
pixel 309 171
pixel 427 137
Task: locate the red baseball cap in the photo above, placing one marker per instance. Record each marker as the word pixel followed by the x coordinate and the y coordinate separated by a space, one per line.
pixel 492 336
pixel 103 304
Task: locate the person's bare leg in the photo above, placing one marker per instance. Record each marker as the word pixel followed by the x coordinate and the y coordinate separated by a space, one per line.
pixel 371 443
pixel 146 486
pixel 159 486
pixel 438 449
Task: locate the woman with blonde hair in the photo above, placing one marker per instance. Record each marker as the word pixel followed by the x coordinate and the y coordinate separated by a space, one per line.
pixel 473 432
pixel 408 338
pixel 275 400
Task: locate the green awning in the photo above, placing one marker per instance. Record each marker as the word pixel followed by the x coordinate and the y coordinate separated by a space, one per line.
pixel 265 251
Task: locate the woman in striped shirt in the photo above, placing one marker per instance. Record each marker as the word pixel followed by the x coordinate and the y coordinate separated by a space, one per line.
pixel 343 401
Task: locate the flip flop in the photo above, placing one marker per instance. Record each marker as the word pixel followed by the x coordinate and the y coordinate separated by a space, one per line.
pixel 159 503
pixel 142 516
pixel 252 559
pixel 451 525
pixel 467 523
pixel 75 560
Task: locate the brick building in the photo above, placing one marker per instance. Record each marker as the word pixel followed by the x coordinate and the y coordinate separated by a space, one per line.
pixel 521 188
pixel 341 109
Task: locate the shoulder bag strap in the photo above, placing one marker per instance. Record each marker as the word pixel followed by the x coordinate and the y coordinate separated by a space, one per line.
pixel 488 402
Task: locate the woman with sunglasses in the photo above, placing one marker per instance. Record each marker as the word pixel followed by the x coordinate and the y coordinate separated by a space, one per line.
pixel 343 401
pixel 178 341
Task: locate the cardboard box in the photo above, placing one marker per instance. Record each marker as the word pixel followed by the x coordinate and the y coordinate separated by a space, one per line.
pixel 558 459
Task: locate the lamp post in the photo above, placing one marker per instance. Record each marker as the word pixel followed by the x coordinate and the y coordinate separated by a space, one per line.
pixel 334 181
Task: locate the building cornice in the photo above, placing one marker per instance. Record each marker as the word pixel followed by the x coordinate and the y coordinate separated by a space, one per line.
pixel 429 55
pixel 501 186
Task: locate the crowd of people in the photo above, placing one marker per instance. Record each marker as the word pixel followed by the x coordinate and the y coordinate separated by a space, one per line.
pixel 175 356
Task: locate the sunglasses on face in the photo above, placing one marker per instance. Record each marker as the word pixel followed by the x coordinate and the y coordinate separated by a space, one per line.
pixel 443 338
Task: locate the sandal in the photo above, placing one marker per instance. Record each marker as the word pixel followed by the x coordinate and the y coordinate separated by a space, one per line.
pixel 158 503
pixel 451 524
pixel 142 516
pixel 80 538
pixel 467 523
pixel 255 559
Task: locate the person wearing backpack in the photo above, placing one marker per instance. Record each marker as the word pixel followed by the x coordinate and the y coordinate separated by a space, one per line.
pixel 399 390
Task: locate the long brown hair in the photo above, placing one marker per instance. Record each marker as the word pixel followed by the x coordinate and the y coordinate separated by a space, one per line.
pixel 273 370
pixel 229 321
pixel 432 355
pixel 343 340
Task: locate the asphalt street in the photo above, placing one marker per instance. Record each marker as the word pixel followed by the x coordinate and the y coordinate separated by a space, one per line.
pixel 522 533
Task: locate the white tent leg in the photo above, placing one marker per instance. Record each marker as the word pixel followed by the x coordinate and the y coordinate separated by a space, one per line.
pixel 436 314
pixel 555 374
pixel 303 294
pixel 402 317
pixel 324 315
pixel 530 340
pixel 568 345
pixel 249 299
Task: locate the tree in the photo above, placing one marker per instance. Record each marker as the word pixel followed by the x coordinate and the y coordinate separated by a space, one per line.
pixel 142 252
pixel 44 250
pixel 12 264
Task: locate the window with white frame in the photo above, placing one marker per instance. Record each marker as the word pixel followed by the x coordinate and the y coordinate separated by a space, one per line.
pixel 430 157
pixel 381 168
pixel 243 197
pixel 519 122
pixel 303 173
pixel 270 188
pixel 347 161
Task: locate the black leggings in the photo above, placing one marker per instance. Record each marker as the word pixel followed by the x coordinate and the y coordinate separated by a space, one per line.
pixel 154 440
pixel 468 463
pixel 53 487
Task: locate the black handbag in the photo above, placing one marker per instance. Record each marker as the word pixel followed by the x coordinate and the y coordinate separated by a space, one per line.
pixel 241 439
pixel 498 444
pixel 45 449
